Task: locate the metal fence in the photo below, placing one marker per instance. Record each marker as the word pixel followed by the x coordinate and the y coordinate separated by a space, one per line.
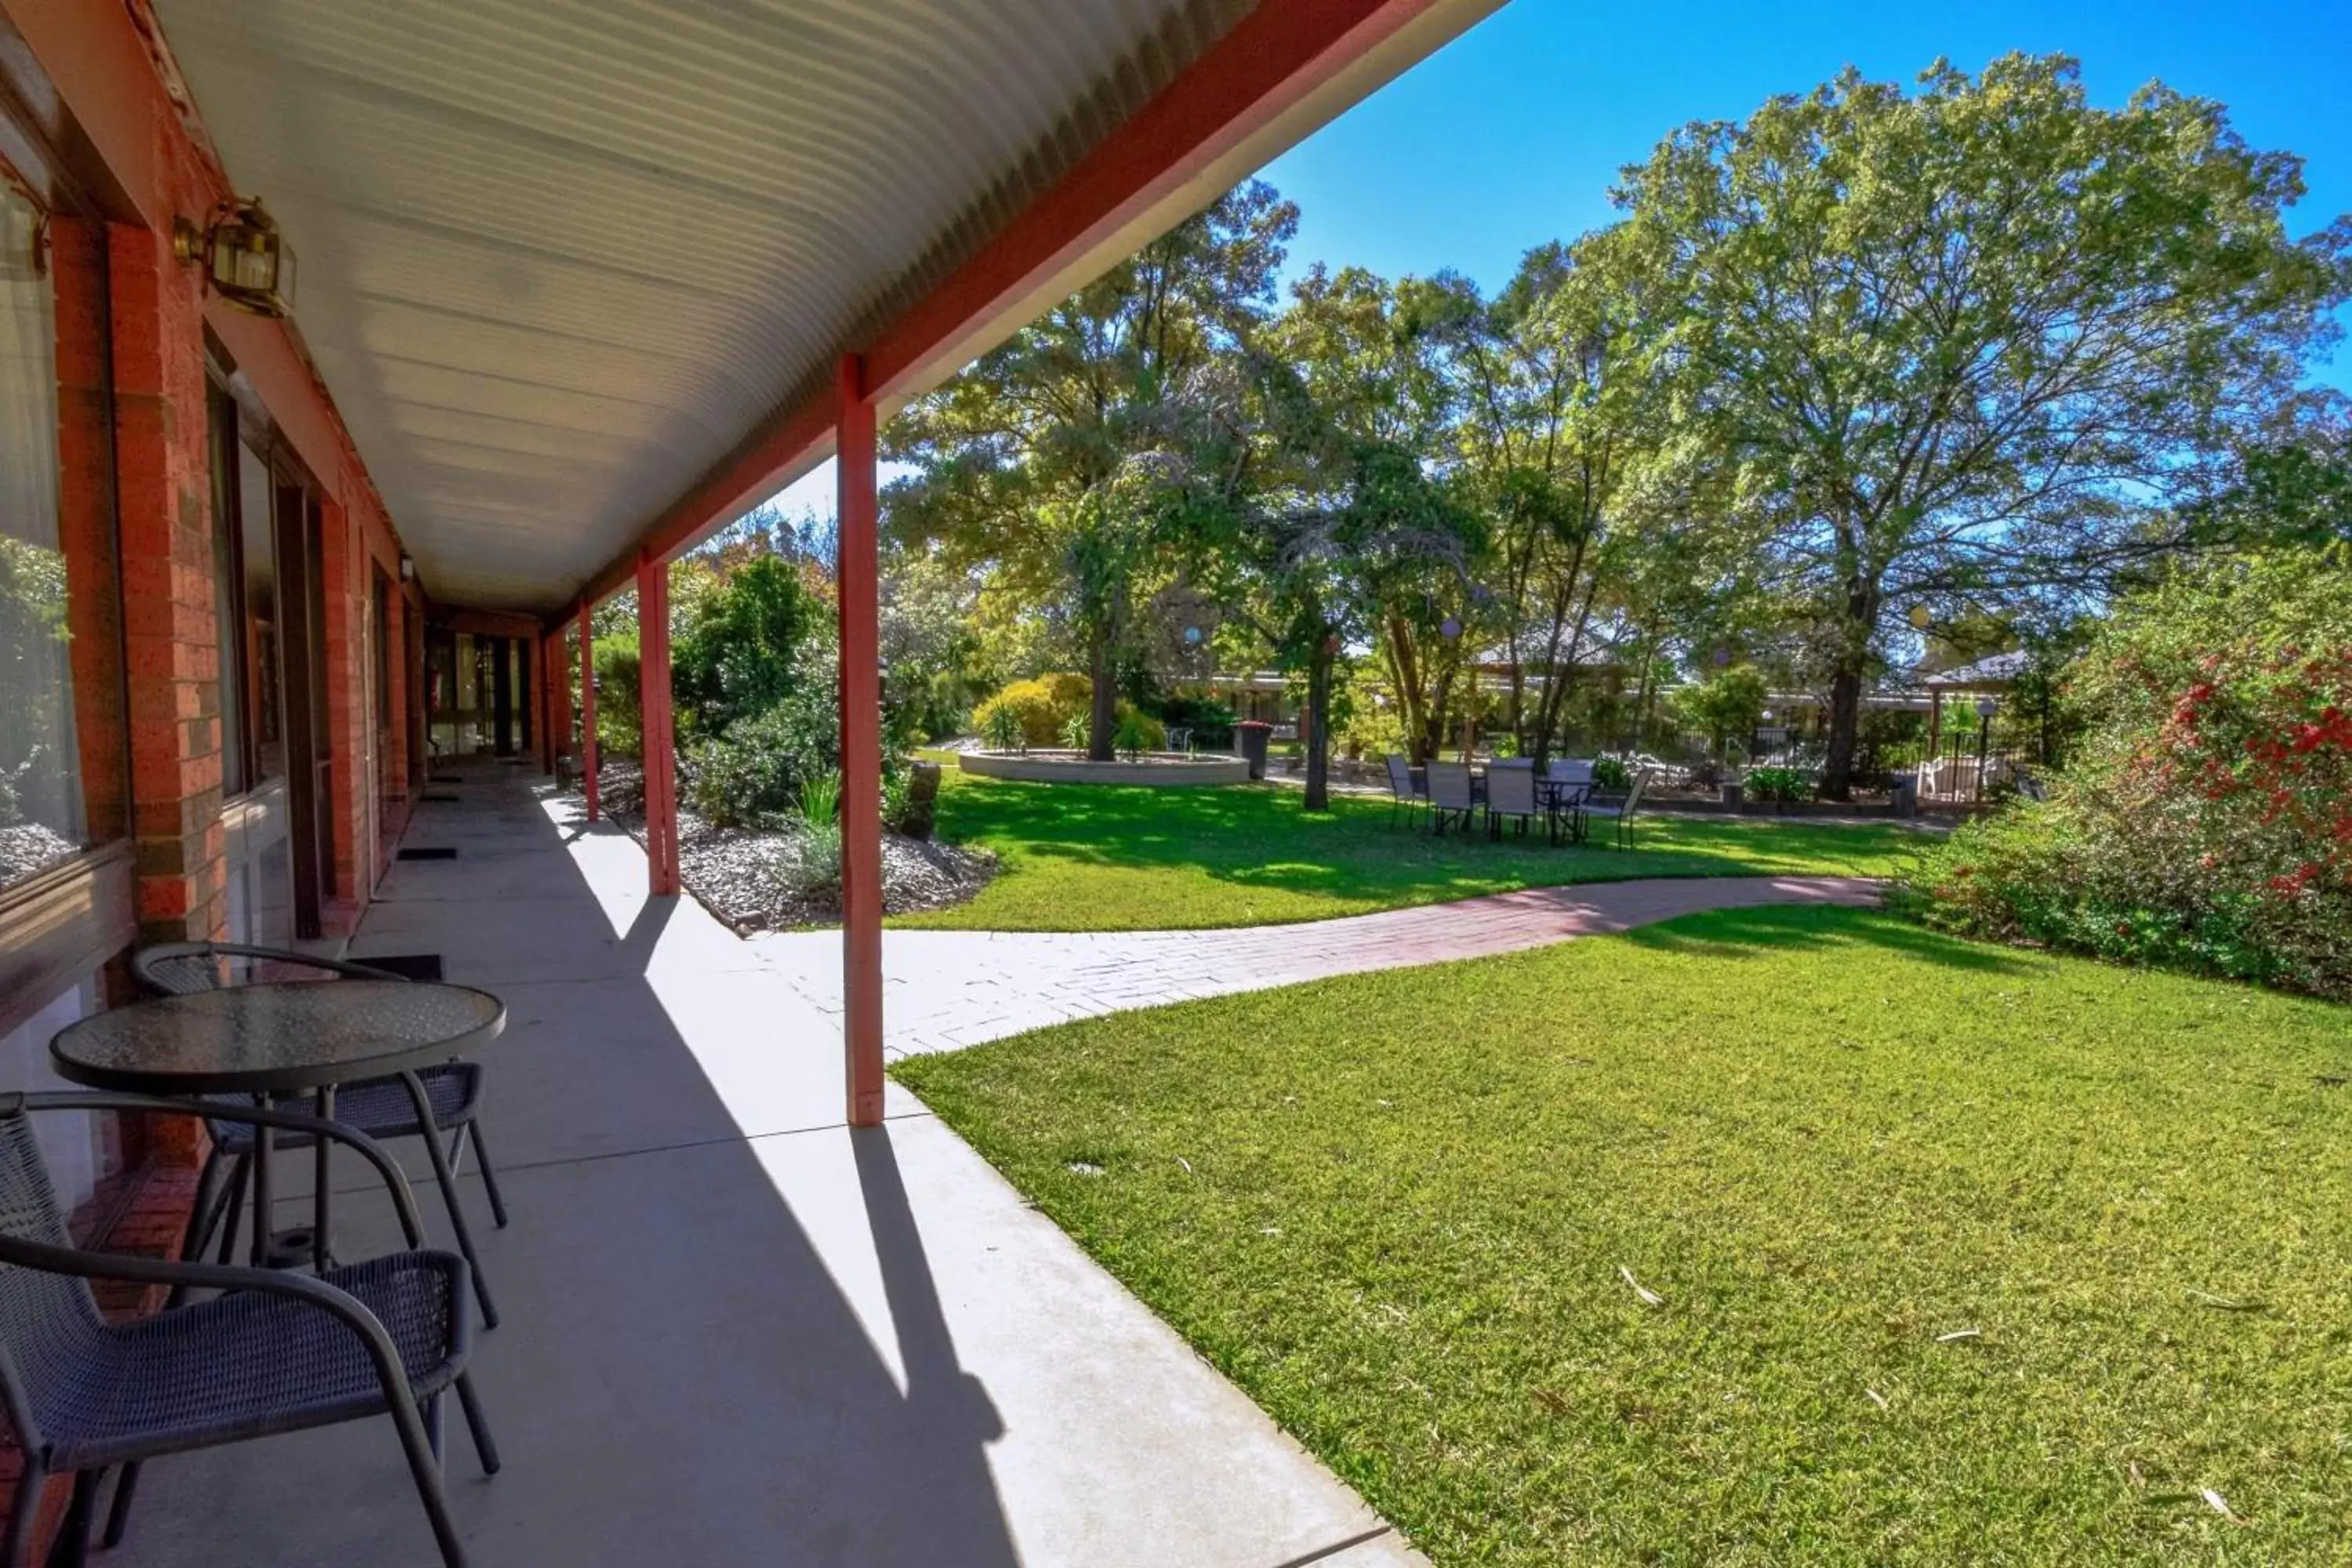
pixel 1965 770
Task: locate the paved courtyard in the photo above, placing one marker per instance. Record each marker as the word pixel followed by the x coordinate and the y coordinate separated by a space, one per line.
pixel 738 1333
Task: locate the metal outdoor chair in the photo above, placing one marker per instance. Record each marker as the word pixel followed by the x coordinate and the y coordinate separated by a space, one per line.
pixel 1510 792
pixel 273 1353
pixel 381 1107
pixel 1572 781
pixel 1620 810
pixel 1407 795
pixel 1450 794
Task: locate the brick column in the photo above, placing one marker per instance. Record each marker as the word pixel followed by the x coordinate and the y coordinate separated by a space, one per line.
pixel 171 628
pixel 344 566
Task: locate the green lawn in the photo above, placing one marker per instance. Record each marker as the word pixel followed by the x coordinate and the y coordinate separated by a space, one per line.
pixel 1108 857
pixel 1963 1255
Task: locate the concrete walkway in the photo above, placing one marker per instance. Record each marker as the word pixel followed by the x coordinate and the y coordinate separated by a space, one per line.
pixel 948 989
pixel 738 1333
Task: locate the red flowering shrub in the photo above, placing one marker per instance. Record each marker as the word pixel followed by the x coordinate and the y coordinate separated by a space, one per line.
pixel 2206 820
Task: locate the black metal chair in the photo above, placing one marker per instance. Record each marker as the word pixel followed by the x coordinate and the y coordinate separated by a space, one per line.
pixel 381 1107
pixel 1510 792
pixel 273 1353
pixel 1451 794
pixel 1619 809
pixel 1408 794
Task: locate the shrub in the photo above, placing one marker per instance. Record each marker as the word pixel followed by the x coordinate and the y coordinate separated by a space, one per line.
pixel 2205 819
pixel 1075 731
pixel 1210 721
pixel 1779 783
pixel 619 729
pixel 817 868
pixel 1000 728
pixel 1139 732
pixel 1610 773
pixel 1372 730
pixel 740 651
pixel 1042 706
pixel 1725 706
pixel 752 775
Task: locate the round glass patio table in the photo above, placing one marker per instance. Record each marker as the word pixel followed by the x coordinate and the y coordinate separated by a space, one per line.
pixel 280 1039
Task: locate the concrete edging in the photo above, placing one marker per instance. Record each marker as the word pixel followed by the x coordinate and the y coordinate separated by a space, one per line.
pixel 1159 770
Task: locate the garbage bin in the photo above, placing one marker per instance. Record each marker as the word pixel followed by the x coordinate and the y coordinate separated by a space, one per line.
pixel 1733 795
pixel 1906 794
pixel 1254 733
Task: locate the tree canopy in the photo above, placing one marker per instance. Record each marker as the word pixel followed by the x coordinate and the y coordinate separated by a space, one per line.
pixel 1982 340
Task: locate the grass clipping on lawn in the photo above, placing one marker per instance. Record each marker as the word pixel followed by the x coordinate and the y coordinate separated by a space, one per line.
pixel 1791 1234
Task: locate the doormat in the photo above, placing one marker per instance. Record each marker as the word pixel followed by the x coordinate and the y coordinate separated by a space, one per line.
pixel 445 778
pixel 427 855
pixel 442 799
pixel 408 965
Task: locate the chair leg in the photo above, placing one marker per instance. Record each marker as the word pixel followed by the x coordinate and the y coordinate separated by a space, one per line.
pixel 196 1234
pixel 442 1174
pixel 30 1479
pixel 423 1469
pixel 240 1172
pixel 489 1176
pixel 484 1449
pixel 118 1516
pixel 71 1547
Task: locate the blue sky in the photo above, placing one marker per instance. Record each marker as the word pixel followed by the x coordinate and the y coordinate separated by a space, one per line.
pixel 1512 134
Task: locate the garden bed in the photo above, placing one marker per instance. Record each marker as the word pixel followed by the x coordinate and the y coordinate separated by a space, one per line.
pixel 750 877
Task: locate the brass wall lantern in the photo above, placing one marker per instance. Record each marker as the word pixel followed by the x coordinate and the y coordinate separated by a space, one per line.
pixel 245 257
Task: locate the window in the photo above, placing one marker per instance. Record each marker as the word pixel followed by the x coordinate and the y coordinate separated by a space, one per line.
pixel 41 821
pixel 228 595
pixel 265 708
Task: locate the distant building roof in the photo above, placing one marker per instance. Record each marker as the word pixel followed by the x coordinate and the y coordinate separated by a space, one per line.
pixel 1995 669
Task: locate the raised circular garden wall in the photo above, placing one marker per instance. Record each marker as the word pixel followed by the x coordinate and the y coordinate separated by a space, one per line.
pixel 1159 769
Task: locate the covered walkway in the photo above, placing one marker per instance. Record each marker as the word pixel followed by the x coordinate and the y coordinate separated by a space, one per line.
pixel 735 1331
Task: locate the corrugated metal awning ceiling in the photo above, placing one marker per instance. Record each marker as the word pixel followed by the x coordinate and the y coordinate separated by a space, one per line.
pixel 560 257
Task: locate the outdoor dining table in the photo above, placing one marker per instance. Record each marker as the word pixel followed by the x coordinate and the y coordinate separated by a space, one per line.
pixel 280 1041
pixel 1565 797
pixel 1557 797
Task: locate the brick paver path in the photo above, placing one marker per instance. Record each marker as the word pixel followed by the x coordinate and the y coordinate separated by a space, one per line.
pixel 949 989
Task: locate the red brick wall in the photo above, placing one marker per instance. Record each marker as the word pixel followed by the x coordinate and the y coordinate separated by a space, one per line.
pixel 171 631
pixel 350 780
pixel 136 525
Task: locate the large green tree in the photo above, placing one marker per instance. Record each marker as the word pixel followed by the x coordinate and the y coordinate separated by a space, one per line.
pixel 1556 419
pixel 1982 340
pixel 1374 360
pixel 1301 526
pixel 1022 463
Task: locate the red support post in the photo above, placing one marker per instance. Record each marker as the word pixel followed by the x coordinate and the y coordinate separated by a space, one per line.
pixel 587 715
pixel 558 698
pixel 660 733
pixel 543 694
pixel 861 749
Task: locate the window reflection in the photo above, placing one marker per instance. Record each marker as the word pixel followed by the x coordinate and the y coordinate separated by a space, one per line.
pixel 40 788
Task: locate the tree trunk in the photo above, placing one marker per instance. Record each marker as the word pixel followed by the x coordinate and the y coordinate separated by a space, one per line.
pixel 1103 725
pixel 1406 672
pixel 1845 725
pixel 1318 728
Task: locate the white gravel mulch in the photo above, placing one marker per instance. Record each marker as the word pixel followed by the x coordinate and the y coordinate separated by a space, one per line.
pixel 742 874
pixel 28 848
